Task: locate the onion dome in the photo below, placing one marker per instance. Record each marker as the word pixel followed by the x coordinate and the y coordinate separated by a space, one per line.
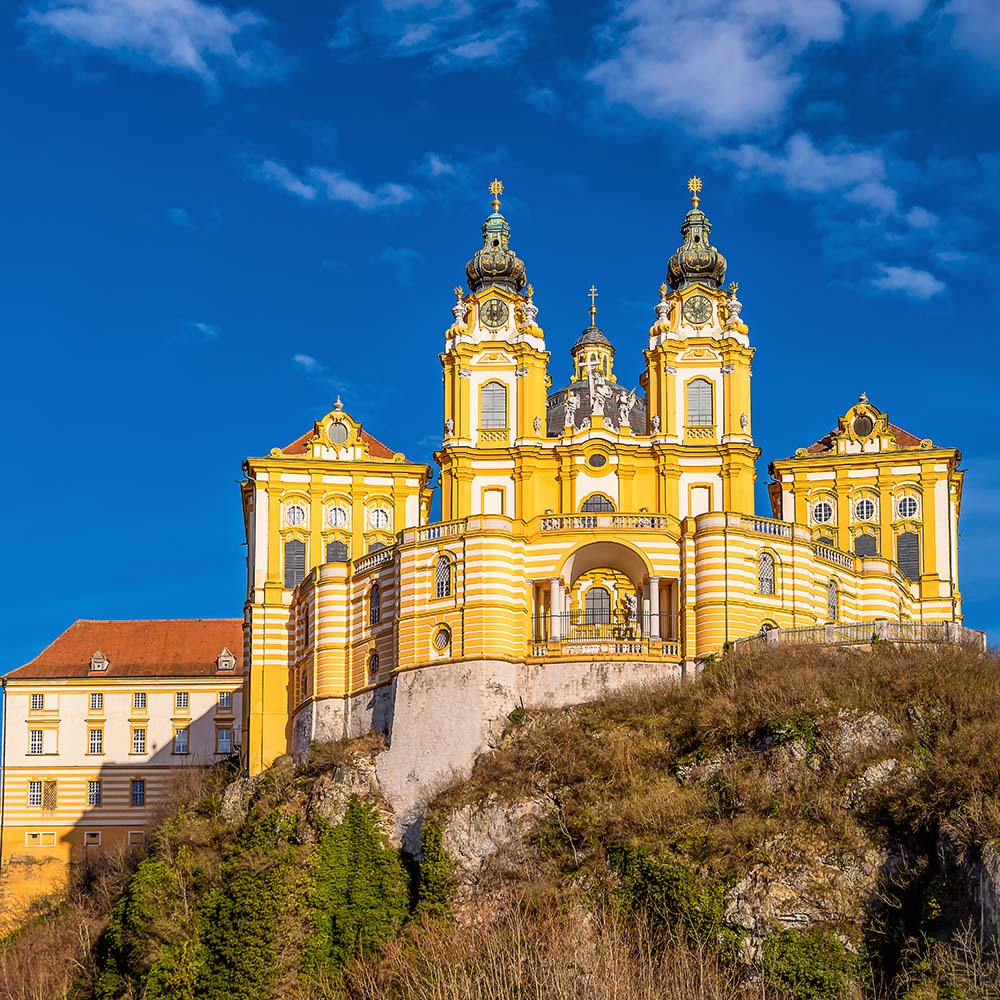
pixel 496 264
pixel 696 260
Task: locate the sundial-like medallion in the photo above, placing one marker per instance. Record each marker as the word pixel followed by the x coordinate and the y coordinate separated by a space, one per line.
pixel 494 313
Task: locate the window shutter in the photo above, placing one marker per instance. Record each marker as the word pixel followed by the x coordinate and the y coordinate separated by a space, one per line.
pixel 908 554
pixel 699 408
pixel 866 545
pixel 336 552
pixel 295 562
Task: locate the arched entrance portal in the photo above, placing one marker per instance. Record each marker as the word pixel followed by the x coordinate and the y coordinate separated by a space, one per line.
pixel 606 599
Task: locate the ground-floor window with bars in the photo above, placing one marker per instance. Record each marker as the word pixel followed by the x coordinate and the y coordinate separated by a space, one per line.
pixel 138 792
pixel 93 793
pixel 765 573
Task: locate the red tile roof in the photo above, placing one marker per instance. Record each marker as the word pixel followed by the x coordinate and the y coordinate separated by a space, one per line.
pixel 904 439
pixel 374 447
pixel 182 647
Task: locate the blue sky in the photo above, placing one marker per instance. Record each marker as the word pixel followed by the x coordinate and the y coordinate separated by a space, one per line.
pixel 217 217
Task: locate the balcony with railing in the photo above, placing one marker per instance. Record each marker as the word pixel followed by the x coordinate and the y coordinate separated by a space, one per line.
pixel 864 633
pixel 581 634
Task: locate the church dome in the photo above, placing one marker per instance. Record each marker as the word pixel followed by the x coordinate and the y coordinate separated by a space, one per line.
pixel 696 261
pixel 496 263
pixel 592 335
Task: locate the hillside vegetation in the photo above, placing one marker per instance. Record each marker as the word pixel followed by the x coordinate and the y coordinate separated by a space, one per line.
pixel 800 823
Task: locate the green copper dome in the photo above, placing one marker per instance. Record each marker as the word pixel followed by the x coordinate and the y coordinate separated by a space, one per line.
pixel 696 261
pixel 496 263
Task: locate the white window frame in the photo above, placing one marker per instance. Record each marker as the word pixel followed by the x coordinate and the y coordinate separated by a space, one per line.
pixel 136 838
pixel 99 733
pixel 137 784
pixel 225 699
pixel 36 742
pixel 139 700
pixel 35 794
pixel 182 746
pixel 138 740
pixel 97 701
pixel 88 838
pixel 218 740
pixel 95 792
pixel 182 699
pixel 38 703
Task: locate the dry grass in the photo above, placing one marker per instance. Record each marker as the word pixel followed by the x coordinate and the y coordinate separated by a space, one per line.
pixel 519 953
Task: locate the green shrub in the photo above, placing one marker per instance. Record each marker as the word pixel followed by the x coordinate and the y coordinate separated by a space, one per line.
pixel 436 881
pixel 358 894
pixel 810 965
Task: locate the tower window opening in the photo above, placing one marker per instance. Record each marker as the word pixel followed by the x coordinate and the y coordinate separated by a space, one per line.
pixel 699 408
pixel 908 554
pixel 597 607
pixel 866 545
pixel 295 562
pixel 494 405
pixel 598 503
pixel 832 601
pixel 374 604
pixel 765 573
pixel 442 577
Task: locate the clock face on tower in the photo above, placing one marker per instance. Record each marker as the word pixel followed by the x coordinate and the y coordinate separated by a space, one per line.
pixel 698 309
pixel 493 313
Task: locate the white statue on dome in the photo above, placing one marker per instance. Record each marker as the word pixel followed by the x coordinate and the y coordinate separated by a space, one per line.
pixel 530 309
pixel 663 309
pixel 572 405
pixel 626 403
pixel 733 305
pixel 600 393
pixel 449 427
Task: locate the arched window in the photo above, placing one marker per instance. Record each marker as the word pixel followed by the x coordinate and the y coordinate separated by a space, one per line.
pixel 765 573
pixel 295 562
pixel 597 607
pixel 374 604
pixel 908 554
pixel 442 577
pixel 336 552
pixel 699 409
pixel 825 540
pixel 832 601
pixel 493 399
pixel 373 664
pixel 376 546
pixel 597 503
pixel 866 545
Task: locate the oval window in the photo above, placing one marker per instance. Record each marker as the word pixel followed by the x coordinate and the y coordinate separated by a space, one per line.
pixel 863 425
pixel 295 515
pixel 864 510
pixel 596 461
pixel 823 512
pixel 338 434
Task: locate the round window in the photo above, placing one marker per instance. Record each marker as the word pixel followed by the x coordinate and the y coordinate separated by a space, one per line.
pixel 864 510
pixel 338 433
pixel 907 507
pixel 379 518
pixel 863 425
pixel 336 517
pixel 596 461
pixel 823 512
pixel 442 639
pixel 373 664
pixel 295 515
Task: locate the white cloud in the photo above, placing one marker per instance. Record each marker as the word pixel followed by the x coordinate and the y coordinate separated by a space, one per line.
pixel 339 188
pixel 186 36
pixel 306 361
pixel 909 281
pixel 280 176
pixel 207 330
pixel 858 174
pixel 437 167
pixel 722 67
pixel 921 218
pixel 976 27
pixel 179 217
pixel 403 260
pixel 951 256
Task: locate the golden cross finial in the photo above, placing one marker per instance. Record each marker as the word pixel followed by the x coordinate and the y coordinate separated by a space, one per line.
pixel 496 189
pixel 459 294
pixel 694 186
pixel 531 291
pixel 593 305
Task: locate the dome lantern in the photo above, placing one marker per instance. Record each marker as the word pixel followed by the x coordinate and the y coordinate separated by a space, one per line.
pixel 696 261
pixel 496 264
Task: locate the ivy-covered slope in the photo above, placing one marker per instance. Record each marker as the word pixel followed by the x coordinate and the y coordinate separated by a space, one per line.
pixel 802 823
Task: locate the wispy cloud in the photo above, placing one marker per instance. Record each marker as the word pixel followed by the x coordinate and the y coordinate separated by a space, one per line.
pixel 909 281
pixel 404 261
pixel 183 36
pixel 857 174
pixel 315 369
pixel 306 361
pixel 180 218
pixel 324 184
pixel 976 28
pixel 434 166
pixel 205 331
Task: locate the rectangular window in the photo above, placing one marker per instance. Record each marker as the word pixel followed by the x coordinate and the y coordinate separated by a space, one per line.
pixel 45 838
pixel 181 699
pixel 50 796
pixel 180 741
pixel 138 792
pixel 37 702
pixel 95 743
pixel 223 741
pixel 93 793
pixel 34 793
pixel 91 838
pixel 35 740
pixel 225 699
pixel 138 741
pixel 139 699
pixel 136 838
pixel 96 701
pixel 493 402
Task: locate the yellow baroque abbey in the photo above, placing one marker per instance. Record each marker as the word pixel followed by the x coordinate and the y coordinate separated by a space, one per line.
pixel 590 535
